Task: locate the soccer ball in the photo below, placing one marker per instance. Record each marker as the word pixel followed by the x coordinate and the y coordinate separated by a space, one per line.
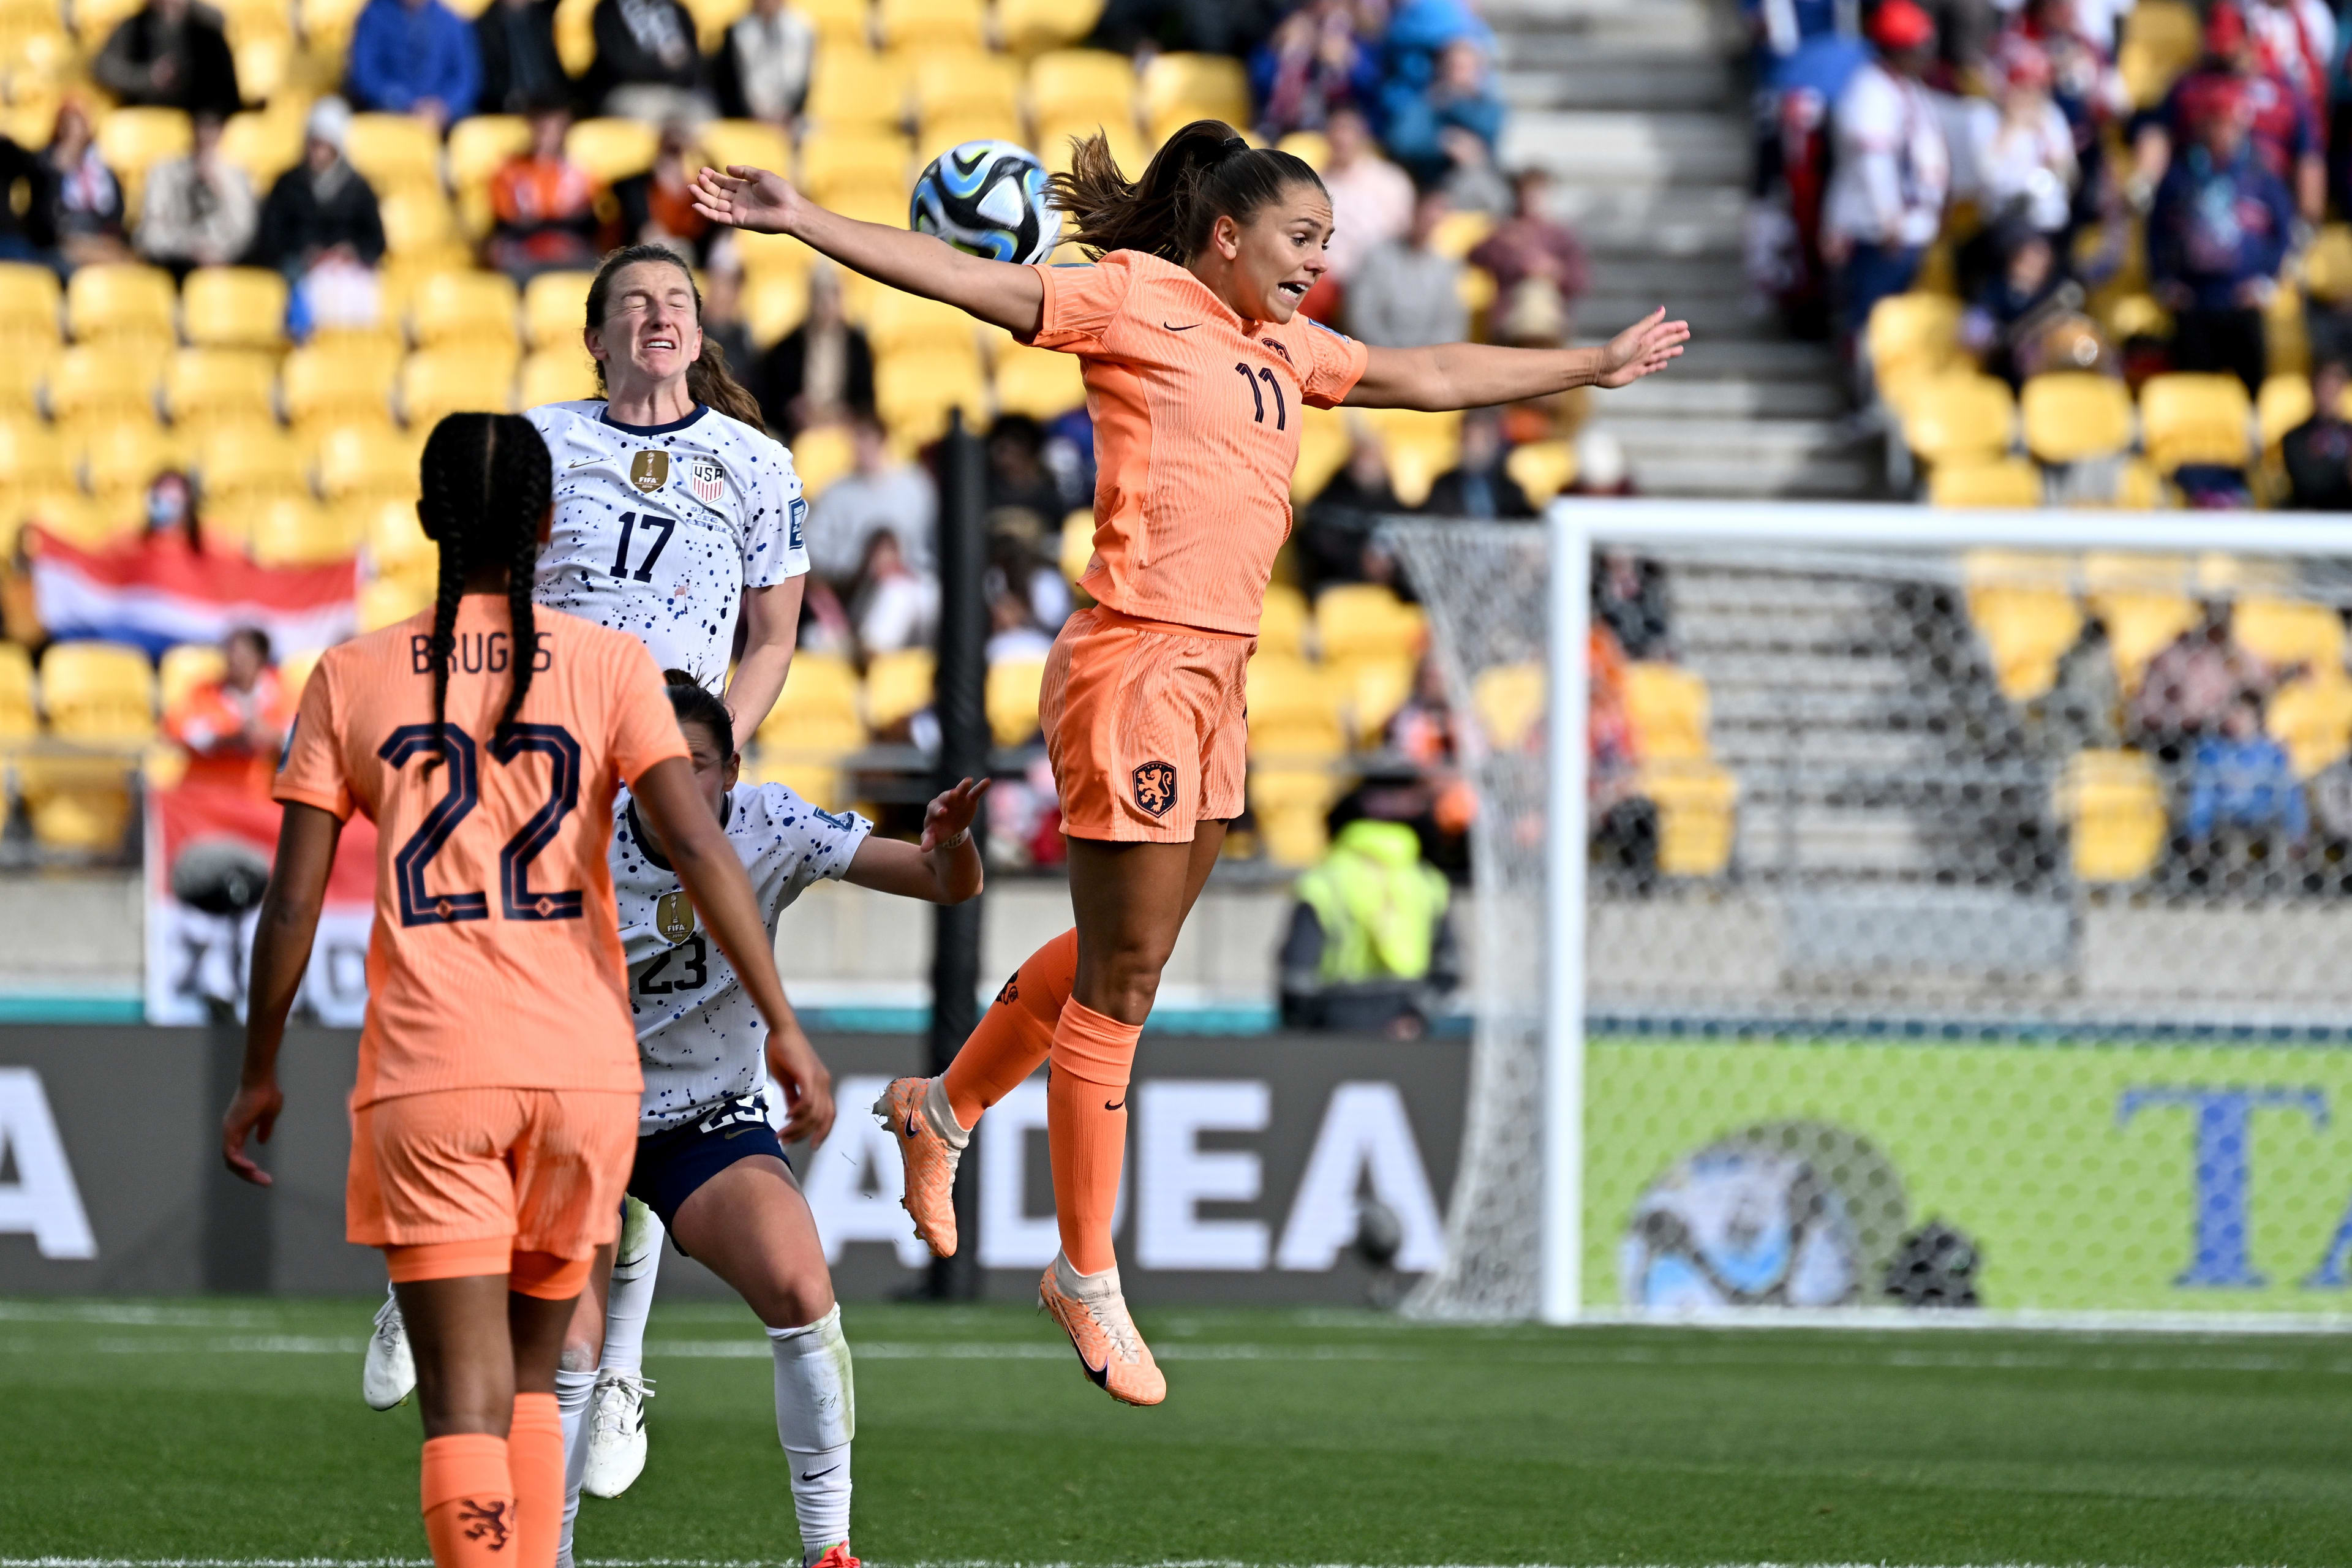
pixel 989 198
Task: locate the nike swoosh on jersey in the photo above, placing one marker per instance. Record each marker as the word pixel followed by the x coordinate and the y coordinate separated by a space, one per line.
pixel 1174 327
pixel 582 462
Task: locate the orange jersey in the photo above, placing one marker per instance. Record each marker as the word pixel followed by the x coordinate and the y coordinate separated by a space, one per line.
pixel 1196 415
pixel 495 960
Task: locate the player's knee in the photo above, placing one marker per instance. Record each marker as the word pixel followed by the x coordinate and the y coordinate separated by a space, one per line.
pixel 793 1303
pixel 580 1354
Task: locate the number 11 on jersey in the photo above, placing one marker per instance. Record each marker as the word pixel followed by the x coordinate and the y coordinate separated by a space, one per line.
pixel 645 570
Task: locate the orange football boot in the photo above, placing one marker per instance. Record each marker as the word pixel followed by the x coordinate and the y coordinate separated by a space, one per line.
pixel 836 1556
pixel 928 1156
pixel 1093 1312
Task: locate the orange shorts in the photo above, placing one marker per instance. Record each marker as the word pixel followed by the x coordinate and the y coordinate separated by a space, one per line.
pixel 509 1170
pixel 1146 726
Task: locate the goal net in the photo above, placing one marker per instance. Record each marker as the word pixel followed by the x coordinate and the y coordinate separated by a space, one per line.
pixel 1917 910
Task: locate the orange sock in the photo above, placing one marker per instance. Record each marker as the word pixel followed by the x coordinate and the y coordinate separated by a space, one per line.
pixel 1085 1128
pixel 469 1503
pixel 535 1459
pixel 1014 1033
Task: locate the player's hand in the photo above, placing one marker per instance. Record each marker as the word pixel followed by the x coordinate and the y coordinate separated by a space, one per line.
pixel 808 1086
pixel 253 1111
pixel 1641 348
pixel 951 813
pixel 745 197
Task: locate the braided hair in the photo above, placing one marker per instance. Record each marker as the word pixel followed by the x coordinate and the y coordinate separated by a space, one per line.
pixel 693 704
pixel 487 480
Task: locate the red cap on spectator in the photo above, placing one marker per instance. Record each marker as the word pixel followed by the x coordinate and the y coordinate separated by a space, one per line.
pixel 1900 24
pixel 2024 62
pixel 2225 28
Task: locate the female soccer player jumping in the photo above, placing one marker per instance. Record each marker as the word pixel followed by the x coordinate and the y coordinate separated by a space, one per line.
pixel 1196 365
pixel 707 1162
pixel 495 1110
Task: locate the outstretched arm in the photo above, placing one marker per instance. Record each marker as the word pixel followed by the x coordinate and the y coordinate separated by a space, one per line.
pixel 997 292
pixel 944 868
pixel 1475 375
pixel 281 952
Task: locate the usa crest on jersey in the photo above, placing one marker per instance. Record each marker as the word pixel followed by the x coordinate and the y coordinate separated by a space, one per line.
pixel 706 478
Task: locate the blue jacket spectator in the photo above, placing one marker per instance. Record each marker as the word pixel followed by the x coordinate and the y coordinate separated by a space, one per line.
pixel 1425 125
pixel 2217 236
pixel 2243 780
pixel 414 56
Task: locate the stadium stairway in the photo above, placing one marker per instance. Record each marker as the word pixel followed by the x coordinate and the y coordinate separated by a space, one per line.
pixel 1640 110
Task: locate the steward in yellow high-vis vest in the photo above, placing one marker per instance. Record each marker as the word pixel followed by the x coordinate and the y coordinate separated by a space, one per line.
pixel 1369 946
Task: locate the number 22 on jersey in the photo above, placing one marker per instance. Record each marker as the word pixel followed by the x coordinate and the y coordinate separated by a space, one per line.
pixel 630 523
pixel 518 900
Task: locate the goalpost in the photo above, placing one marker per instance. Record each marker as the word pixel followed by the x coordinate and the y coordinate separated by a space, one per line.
pixel 1901 972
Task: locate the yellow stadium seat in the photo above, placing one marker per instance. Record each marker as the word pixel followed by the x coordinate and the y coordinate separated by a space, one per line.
pixel 2112 806
pixel 1509 701
pixel 18 721
pixel 1374 689
pixel 2002 482
pixel 480 145
pixel 1038 383
pixel 575 35
pixel 81 803
pixel 851 89
pixel 948 130
pixel 897 686
pixel 2161 38
pixel 246 460
pixel 94 19
pixel 235 307
pixel 774 303
pixel 1365 620
pixel 210 386
pixel 899 322
pixel 293 531
pixel 1325 441
pixel 1311 148
pixel 838 22
pixel 97 691
pixel 121 300
pixel 729 142
pixel 821 454
pixel 263 64
pixel 22 376
pixel 1912 333
pixel 712 19
pixel 930 24
pixel 2025 628
pixel 2286 632
pixel 437 381
pixel 336 383
pixel 1282 624
pixel 389 601
pixel 185 667
pixel 106 377
pixel 393 149
pixel 417 221
pixel 1292 806
pixel 556 309
pixel 955 85
pixel 1083 86
pixel 82 520
pixel 915 394
pixel 1058 138
pixel 392 539
pixel 29 298
pixel 1012 699
pixel 1178 88
pixel 264 144
pixel 1962 416
pixel 2144 611
pixel 2073 415
pixel 816 718
pixel 1419 444
pixel 1697 802
pixel 473 310
pixel 2328 265
pixel 294 670
pixel 839 162
pixel 1541 469
pixel 2284 402
pixel 2311 716
pixel 2196 418
pixel 1031 27
pixel 1668 708
pixel 120 457
pixel 613 149
pixel 557 376
pixel 131 141
pixel 1078 552
pixel 1294 709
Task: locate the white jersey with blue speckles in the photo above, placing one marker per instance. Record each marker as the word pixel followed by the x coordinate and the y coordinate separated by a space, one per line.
pixel 699 1037
pixel 659 528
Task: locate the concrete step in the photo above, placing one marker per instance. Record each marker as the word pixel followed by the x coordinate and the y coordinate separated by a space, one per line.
pixel 1665 24
pixel 1654 220
pixel 1731 458
pixel 1621 147
pixel 1645 272
pixel 1565 70
pixel 1715 315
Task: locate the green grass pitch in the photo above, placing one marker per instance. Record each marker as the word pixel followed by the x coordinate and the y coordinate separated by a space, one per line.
pixel 232 1432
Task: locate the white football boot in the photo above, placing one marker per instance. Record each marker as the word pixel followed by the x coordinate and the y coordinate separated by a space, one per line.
pixel 389 1375
pixel 616 1433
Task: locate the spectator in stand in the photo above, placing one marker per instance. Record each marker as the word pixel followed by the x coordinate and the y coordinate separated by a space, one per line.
pixel 321 228
pixel 2022 148
pixel 170 508
pixel 1014 635
pixel 1369 947
pixel 1206 26
pixel 2083 83
pixel 84 199
pixel 414 58
pixel 1313 63
pixel 515 41
pixel 1454 122
pixel 2008 324
pixel 2243 779
pixel 2318 452
pixel 1629 598
pixel 1780 27
pixel 822 371
pixel 723 327
pixel 2217 237
pixel 233 727
pixel 1405 295
pixel 1417 34
pixel 1371 198
pixel 31 234
pixel 2278 121
pixel 2294 41
pixel 894 606
pixel 1019 564
pixel 2188 687
pixel 171 54
pixel 879 495
pixel 1885 200
pixel 542 206
pixel 657 206
pixel 1477 485
pixel 1531 249
pixel 198 211
pixel 763 66
pixel 1334 539
pixel 647 63
pixel 1021 497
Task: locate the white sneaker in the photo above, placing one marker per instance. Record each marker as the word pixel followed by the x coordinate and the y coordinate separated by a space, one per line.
pixel 616 1433
pixel 389 1376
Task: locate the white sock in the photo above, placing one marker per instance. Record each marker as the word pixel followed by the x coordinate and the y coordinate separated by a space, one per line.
pixel 571 1391
pixel 631 1298
pixel 816 1417
pixel 941 1116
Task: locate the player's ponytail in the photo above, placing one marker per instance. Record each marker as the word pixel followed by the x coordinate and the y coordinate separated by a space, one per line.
pixel 486 483
pixel 693 704
pixel 709 381
pixel 1203 173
